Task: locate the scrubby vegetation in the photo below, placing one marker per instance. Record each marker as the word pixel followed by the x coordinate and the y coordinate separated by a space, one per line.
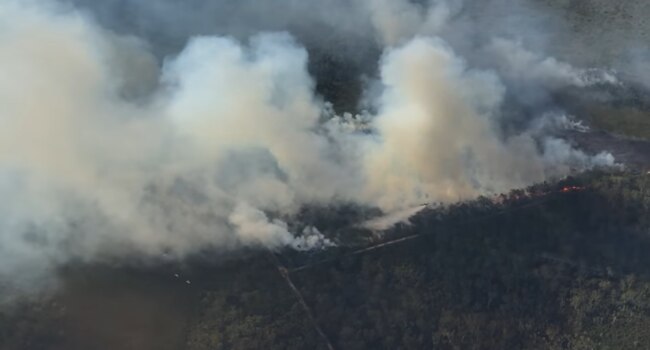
pixel 558 266
pixel 625 121
pixel 619 110
pixel 557 269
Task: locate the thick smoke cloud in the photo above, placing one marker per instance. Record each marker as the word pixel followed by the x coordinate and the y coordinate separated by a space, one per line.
pixel 89 174
pixel 109 152
pixel 438 137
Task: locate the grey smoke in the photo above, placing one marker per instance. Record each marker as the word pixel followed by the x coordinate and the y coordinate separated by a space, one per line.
pixel 115 146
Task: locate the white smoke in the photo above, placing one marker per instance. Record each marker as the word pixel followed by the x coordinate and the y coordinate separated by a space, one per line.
pixel 255 229
pixel 516 63
pixel 555 121
pixel 88 174
pixel 392 219
pixel 437 134
pixel 398 20
pixel 105 155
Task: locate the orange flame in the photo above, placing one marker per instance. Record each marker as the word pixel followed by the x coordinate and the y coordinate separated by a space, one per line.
pixel 566 189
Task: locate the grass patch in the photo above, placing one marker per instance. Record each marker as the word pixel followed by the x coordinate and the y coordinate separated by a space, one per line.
pixel 625 121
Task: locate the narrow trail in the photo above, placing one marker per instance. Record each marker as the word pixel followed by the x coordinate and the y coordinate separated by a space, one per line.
pixel 356 252
pixel 535 203
pixel 285 275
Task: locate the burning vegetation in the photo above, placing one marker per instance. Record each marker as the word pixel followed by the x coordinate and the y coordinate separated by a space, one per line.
pixel 421 173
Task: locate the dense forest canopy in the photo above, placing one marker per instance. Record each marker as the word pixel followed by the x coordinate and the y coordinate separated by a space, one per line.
pixel 558 265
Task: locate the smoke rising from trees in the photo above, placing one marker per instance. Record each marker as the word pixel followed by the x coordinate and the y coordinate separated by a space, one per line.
pixel 115 146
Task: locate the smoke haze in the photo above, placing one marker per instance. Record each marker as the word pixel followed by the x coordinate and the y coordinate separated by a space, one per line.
pixel 114 145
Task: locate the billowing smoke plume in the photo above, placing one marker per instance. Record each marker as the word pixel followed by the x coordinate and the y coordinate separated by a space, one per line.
pixel 108 152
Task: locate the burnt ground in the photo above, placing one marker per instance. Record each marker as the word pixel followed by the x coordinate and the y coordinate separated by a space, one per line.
pixel 125 310
pixel 634 154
